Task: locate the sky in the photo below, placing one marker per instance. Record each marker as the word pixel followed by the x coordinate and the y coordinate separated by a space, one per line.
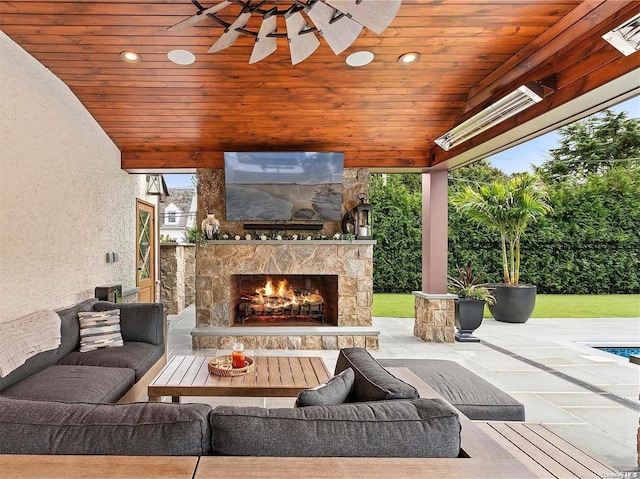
pixel 520 158
pixel 514 160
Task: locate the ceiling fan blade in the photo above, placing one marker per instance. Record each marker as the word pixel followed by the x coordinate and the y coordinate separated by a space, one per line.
pixel 230 35
pixel 265 45
pixel 300 46
pixel 340 34
pixel 376 15
pixel 194 20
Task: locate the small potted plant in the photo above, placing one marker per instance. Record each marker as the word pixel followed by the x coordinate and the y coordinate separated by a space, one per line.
pixel 469 306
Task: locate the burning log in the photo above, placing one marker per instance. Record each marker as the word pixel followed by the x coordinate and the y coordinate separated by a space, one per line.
pixel 281 303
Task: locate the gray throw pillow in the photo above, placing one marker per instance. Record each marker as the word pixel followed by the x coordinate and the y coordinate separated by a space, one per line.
pixel 372 381
pixel 334 391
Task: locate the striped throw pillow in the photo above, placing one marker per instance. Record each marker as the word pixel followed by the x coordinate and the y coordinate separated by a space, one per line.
pixel 99 329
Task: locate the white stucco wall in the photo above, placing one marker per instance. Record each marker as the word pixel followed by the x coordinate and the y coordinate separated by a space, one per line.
pixel 64 201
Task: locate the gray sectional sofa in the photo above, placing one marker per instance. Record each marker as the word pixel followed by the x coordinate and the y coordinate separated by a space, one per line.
pixel 64 403
pixel 104 375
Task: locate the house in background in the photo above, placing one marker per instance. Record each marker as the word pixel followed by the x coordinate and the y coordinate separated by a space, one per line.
pixel 177 213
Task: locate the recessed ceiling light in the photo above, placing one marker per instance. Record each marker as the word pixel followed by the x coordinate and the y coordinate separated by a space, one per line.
pixel 181 57
pixel 131 57
pixel 359 59
pixel 409 58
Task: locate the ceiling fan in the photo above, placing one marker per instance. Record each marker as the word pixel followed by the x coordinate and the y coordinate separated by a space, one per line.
pixel 339 22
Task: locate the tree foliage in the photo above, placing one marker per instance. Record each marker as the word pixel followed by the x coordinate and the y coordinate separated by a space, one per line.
pixel 593 146
pixel 397 209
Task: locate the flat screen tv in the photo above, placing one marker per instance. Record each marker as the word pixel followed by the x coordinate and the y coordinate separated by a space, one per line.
pixel 284 186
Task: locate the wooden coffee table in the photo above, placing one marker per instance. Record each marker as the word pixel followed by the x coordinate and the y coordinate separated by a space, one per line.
pixel 273 376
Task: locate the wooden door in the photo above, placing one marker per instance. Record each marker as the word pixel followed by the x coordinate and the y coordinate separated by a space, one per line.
pixel 145 251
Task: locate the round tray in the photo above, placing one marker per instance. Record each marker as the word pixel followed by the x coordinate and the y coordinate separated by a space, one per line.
pixel 221 366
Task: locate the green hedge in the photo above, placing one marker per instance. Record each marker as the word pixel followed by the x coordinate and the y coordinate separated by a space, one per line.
pixel 589 244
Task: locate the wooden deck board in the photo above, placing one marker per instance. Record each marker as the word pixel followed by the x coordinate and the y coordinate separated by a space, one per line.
pixel 517 452
pixel 545 453
pixel 593 464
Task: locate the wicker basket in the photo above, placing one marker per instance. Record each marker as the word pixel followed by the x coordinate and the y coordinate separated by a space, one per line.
pixel 221 366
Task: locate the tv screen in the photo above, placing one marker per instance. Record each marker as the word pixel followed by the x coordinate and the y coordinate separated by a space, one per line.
pixel 283 186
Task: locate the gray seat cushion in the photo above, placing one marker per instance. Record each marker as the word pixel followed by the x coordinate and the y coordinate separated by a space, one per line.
pixel 414 428
pixel 145 429
pixel 473 396
pixel 74 384
pixel 372 381
pixel 137 356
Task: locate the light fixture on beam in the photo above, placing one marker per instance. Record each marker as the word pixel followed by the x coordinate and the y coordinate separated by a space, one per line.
pixel 156 185
pixel 512 104
pixel 626 37
pixel 338 21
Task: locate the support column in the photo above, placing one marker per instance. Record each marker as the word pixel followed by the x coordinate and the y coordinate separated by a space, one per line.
pixel 434 231
pixel 434 308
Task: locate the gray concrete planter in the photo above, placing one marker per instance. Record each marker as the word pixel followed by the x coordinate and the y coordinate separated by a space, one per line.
pixel 514 304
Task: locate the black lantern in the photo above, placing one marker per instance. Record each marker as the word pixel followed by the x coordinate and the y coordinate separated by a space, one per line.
pixel 156 185
pixel 363 214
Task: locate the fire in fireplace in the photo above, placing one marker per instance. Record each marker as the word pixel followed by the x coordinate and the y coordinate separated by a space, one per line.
pixel 270 300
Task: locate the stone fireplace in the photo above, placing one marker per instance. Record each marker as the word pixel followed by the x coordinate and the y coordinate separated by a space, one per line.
pixel 340 271
pixel 231 276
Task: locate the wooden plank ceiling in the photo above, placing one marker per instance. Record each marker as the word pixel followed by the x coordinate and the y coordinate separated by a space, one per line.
pixel 163 115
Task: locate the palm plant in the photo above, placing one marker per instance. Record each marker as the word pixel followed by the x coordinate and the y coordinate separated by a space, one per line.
pixel 508 207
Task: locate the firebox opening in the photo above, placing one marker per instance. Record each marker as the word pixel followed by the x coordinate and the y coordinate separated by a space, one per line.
pixel 284 300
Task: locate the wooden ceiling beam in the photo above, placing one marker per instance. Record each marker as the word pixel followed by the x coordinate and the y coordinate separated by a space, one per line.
pixel 516 71
pixel 158 160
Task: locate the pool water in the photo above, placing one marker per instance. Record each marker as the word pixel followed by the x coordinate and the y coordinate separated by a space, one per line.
pixel 624 352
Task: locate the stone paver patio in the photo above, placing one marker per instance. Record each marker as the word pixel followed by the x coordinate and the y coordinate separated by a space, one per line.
pixel 535 362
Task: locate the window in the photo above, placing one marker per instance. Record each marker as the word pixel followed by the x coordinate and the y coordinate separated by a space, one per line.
pixel 170 218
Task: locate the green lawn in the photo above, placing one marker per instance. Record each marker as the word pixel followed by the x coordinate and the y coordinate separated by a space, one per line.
pixel 547 306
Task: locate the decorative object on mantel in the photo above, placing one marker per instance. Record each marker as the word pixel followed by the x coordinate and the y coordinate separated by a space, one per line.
pixel 363 215
pixel 349 224
pixel 339 22
pixel 210 226
pixel 222 366
pixel 282 236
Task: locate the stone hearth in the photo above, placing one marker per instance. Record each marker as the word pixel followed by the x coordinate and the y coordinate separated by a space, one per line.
pixel 220 261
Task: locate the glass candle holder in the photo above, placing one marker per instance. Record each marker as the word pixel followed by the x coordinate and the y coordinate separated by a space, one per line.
pixel 237 356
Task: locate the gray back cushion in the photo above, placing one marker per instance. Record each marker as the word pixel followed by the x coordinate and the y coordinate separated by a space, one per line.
pixel 414 428
pixel 136 429
pixel 139 322
pixel 70 331
pixel 70 327
pixel 334 391
pixel 372 381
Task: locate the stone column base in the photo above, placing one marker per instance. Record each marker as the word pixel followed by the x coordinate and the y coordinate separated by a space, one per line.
pixel 434 321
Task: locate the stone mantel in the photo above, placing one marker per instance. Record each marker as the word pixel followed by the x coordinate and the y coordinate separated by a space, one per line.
pixel 301 242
